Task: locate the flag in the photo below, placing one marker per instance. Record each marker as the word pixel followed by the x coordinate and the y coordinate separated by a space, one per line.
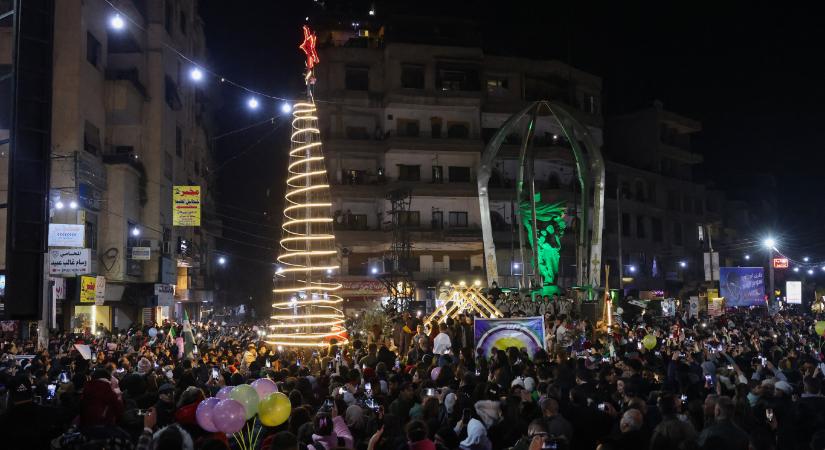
pixel 188 338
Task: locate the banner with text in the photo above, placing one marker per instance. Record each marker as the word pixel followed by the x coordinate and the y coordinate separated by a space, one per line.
pixel 69 261
pixel 742 286
pixel 186 206
pixel 793 292
pixel 500 334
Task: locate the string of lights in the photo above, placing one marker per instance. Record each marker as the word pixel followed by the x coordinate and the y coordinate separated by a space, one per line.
pixel 307 311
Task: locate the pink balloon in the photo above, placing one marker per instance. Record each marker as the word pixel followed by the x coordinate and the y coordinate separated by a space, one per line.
pixel 229 416
pixel 435 373
pixel 223 394
pixel 264 387
pixel 204 414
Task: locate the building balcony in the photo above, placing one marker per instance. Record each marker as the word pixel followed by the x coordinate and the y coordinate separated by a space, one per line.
pixel 379 189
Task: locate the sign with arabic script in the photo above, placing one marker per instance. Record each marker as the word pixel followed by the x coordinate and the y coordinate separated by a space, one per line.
pixel 88 289
pixel 69 261
pixel 186 206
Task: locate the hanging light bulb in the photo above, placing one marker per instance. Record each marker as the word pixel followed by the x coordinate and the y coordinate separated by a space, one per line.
pixel 252 103
pixel 117 22
pixel 196 74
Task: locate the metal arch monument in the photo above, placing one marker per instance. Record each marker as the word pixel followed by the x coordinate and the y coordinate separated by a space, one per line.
pixel 543 221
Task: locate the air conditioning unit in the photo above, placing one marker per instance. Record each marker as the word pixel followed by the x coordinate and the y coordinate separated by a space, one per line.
pixel 168 248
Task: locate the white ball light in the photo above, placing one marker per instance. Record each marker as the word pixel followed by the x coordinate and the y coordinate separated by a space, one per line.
pixel 196 74
pixel 286 108
pixel 252 103
pixel 117 22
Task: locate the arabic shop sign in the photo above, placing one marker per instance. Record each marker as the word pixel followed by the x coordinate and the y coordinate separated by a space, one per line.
pixel 66 235
pixel 69 261
pixel 186 206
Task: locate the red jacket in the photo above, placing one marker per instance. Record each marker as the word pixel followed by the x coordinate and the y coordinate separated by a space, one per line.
pixel 99 404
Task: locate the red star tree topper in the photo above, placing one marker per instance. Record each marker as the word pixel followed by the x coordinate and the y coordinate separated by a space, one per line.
pixel 308 46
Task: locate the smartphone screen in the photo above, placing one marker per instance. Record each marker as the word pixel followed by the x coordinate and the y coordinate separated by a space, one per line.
pixel 52 388
pixel 215 373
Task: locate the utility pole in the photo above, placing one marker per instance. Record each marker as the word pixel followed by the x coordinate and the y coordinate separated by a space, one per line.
pixel 619 220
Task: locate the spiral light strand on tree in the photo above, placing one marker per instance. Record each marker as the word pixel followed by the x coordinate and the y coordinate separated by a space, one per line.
pixel 307 310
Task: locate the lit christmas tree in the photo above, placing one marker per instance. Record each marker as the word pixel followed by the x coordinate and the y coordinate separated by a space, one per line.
pixel 307 313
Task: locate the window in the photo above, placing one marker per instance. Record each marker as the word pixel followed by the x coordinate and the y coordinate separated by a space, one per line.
pixel 640 227
pixel 611 185
pixel 357 222
pixel 711 204
pixel 496 85
pixel 91 233
pixel 168 165
pixel 412 76
pixel 183 22
pixel 91 138
pixel 626 224
pixel 590 104
pixel 458 219
pixel 697 206
pixel 413 264
pixel 438 220
pixel 171 94
pixel 656 229
pixel 409 172
pixel 438 174
pixel 457 78
pixel 168 16
pixel 627 194
pixel 687 203
pixel 651 191
pixel 407 127
pixel 673 200
pixel 459 174
pixel 677 233
pixel 178 142
pixel 459 264
pixel 409 218
pixel 458 130
pixel 92 49
pixel 435 127
pixel 357 133
pixel 357 78
pixel 352 176
pixel 640 191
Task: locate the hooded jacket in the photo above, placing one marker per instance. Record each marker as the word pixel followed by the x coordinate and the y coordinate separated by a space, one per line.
pixel 100 404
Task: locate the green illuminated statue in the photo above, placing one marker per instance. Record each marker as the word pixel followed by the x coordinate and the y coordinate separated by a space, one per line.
pixel 550 229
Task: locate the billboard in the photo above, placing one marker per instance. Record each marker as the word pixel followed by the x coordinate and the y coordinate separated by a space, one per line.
pixel 793 292
pixel 500 334
pixel 66 235
pixel 70 261
pixel 186 206
pixel 742 286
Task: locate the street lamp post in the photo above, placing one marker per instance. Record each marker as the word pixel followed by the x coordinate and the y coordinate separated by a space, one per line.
pixel 770 244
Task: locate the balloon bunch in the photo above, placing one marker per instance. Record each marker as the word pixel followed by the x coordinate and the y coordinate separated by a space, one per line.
pixel 231 408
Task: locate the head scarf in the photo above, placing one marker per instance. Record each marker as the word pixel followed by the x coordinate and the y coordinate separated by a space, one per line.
pixel 476 433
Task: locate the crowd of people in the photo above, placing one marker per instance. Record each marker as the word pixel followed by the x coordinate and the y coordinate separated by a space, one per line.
pixel 743 380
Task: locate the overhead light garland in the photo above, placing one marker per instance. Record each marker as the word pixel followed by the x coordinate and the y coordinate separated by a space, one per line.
pixel 307 312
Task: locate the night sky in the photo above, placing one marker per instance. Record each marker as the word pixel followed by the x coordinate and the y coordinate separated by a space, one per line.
pixel 752 75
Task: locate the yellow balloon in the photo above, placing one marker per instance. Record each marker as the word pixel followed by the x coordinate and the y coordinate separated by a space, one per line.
pixel 820 327
pixel 649 341
pixel 274 409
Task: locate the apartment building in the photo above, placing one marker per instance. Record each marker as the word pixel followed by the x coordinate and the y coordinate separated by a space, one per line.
pixel 414 115
pixel 128 124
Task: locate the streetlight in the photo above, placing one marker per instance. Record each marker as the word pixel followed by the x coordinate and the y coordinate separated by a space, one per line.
pixel 252 103
pixel 135 231
pixel 632 269
pixel 286 108
pixel 222 260
pixel 196 74
pixel 117 22
pixel 796 269
pixel 59 205
pixel 682 264
pixel 747 257
pixel 770 244
pixel 72 204
pixel 810 271
pixel 806 259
